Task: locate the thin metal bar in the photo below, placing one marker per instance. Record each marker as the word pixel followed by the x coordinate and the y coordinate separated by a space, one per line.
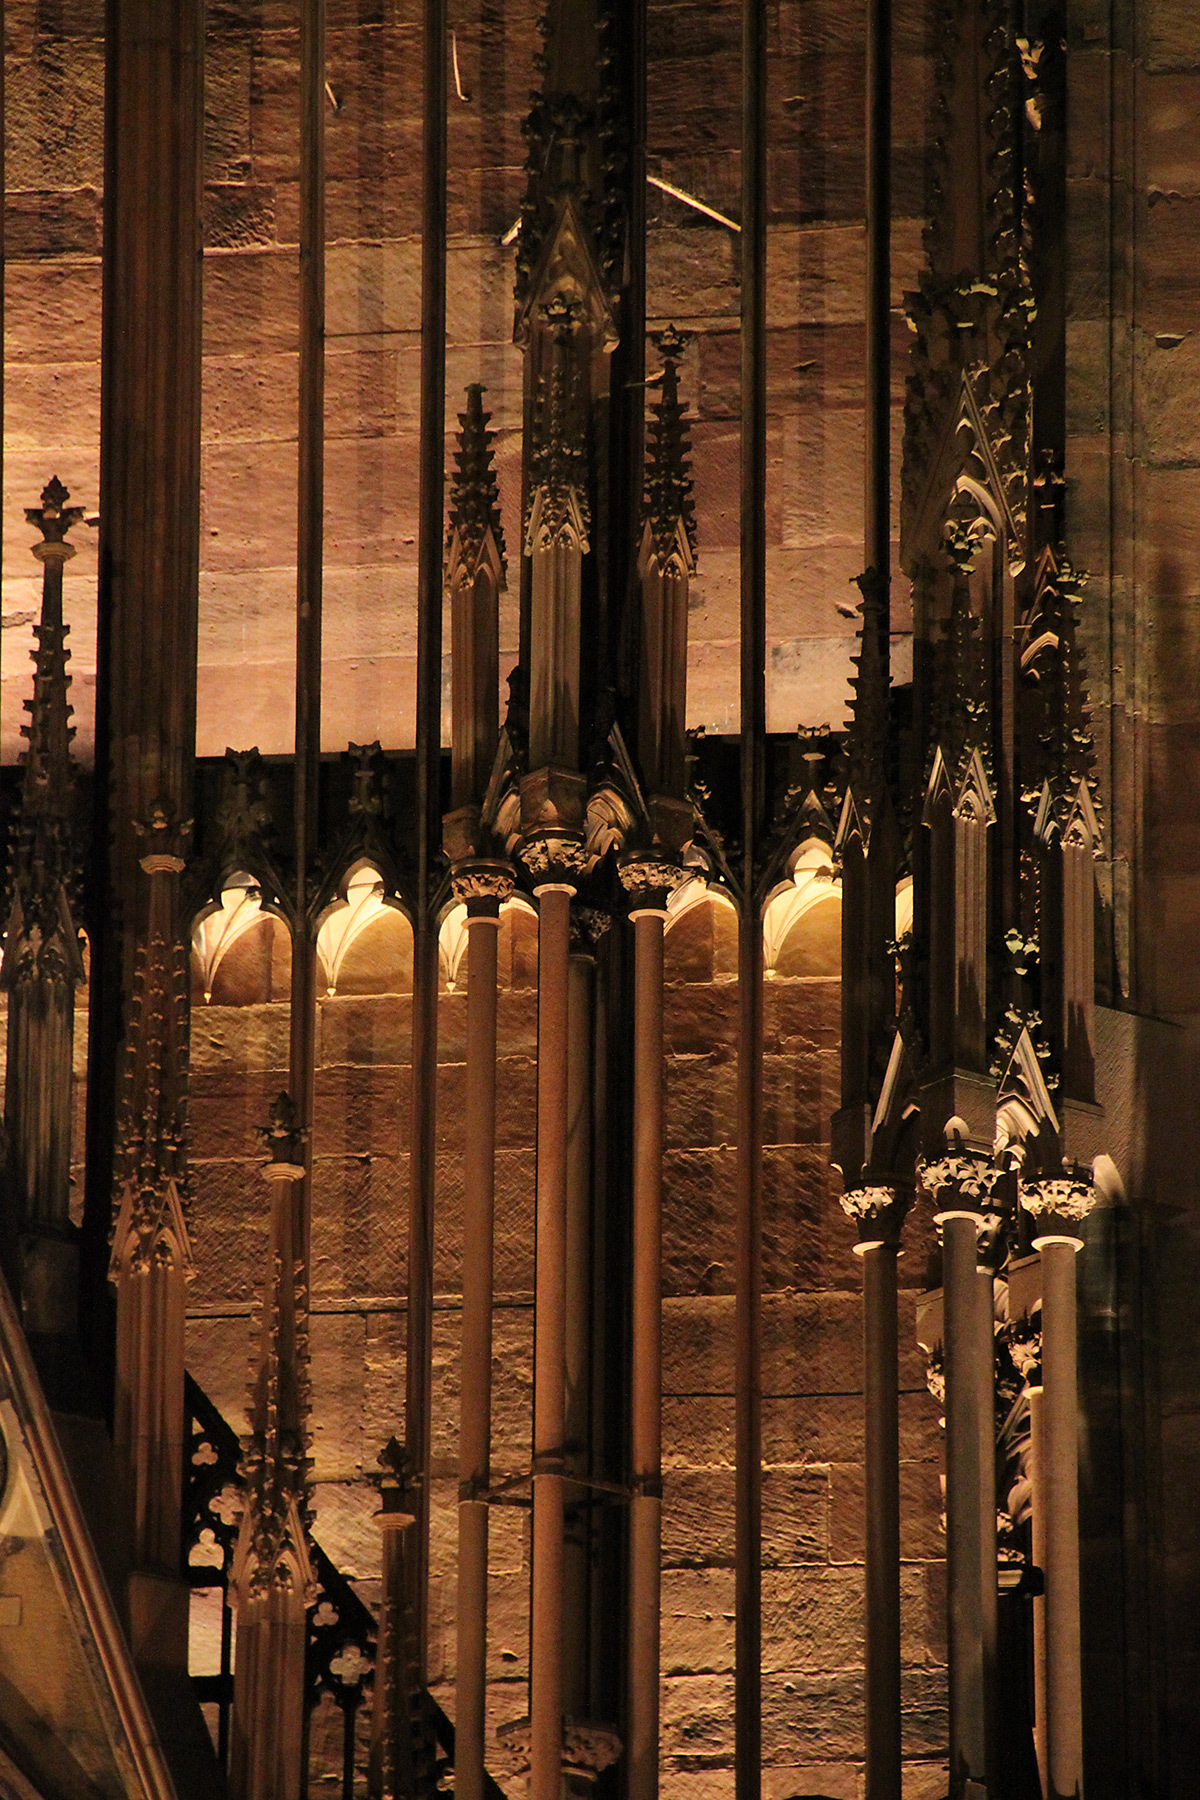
pixel 748 1360
pixel 309 555
pixel 418 1373
pixel 882 1547
pixel 877 457
pixel 310 537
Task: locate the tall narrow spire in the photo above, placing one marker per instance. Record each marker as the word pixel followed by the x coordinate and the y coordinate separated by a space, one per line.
pixel 474 492
pixel 669 504
pixel 43 965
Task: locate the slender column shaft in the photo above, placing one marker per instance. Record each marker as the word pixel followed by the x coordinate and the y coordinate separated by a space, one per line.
pixel 474 1454
pixel 1060 1482
pixel 881 1383
pixel 549 1382
pixel 748 1230
pixel 984 1363
pixel 645 1516
pixel 577 1400
pixel 418 1367
pixel 145 733
pixel 1038 1532
pixel 877 448
pixel 964 1556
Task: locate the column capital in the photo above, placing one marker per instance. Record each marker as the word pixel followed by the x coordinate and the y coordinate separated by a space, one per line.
pixel 1058 1204
pixel 879 1211
pixel 483 884
pixel 961 1186
pixel 648 882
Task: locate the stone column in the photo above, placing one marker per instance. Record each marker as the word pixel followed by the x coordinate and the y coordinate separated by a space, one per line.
pixel 1058 1206
pixel 879 1215
pixel 966 1399
pixel 483 889
pixel 272 1571
pixel 402 1756
pixel 577 1398
pixel 645 1505
pixel 549 1397
pixel 1037 1506
pixel 984 1376
pixel 145 744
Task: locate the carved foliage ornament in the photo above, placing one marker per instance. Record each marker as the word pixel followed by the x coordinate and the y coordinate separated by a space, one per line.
pixel 1068 1196
pixel 474 492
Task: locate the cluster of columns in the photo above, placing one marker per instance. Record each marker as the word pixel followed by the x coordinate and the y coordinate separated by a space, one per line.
pixel 959 1321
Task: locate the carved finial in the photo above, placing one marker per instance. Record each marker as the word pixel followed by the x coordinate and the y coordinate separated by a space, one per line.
pixel 960 707
pixel 43 869
pixel 367 780
pixel 164 838
pixel 1068 758
pixel 869 737
pixel 54 518
pixel 243 815
pixel 397 1479
pixel 48 783
pixel 558 460
pixel 669 472
pixel 474 493
pixel 285 1139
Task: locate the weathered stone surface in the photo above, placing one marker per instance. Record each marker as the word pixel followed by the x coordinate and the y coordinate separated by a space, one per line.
pixel 697 1621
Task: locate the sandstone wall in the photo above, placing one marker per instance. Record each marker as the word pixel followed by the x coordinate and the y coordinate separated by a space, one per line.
pixel 812 1325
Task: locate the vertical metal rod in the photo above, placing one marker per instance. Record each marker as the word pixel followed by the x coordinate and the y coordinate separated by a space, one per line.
pixel 475 1434
pixel 877 459
pixel 310 534
pixel 881 1382
pixel 418 1371
pixel 883 1741
pixel 645 1505
pixel 748 1254
pixel 310 541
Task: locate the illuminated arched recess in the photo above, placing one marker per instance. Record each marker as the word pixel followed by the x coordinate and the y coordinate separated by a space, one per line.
pixel 516 951
pixel 241 951
pixel 364 939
